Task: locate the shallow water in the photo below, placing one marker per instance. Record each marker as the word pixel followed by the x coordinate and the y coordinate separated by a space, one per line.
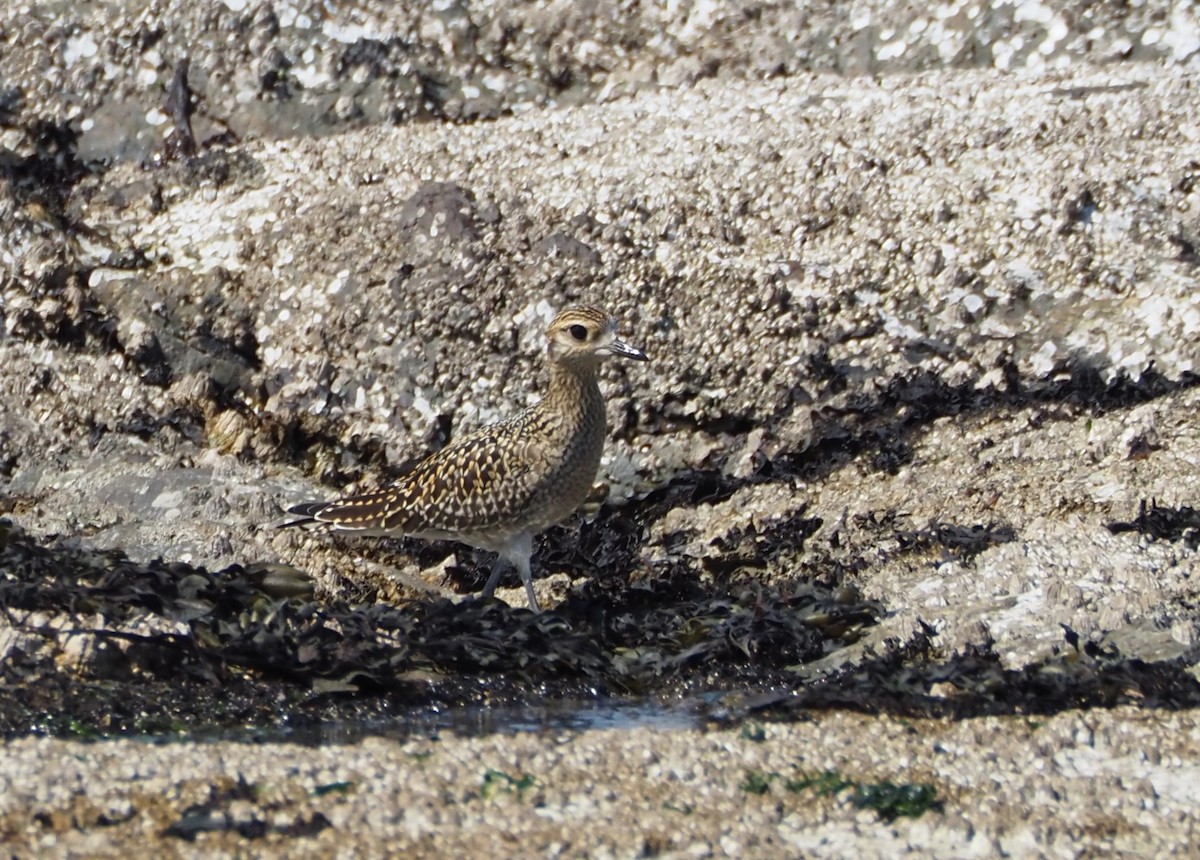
pixel 474 721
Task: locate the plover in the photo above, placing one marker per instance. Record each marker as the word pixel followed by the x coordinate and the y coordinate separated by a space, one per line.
pixel 499 486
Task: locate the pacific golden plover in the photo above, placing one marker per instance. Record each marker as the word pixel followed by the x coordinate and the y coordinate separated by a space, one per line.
pixel 497 487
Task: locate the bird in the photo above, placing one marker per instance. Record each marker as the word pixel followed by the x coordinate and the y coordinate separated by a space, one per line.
pixel 499 486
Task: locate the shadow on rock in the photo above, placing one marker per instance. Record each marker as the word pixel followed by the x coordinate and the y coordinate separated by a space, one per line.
pixel 915 680
pixel 95 642
pixel 128 629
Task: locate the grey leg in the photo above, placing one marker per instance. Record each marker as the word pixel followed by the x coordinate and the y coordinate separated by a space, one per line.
pixel 517 552
pixel 522 565
pixel 494 577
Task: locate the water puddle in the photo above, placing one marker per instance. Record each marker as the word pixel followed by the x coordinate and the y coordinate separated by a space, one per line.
pixel 473 721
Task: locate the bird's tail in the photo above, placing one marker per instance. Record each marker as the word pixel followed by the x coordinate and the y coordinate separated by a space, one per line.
pixel 307 513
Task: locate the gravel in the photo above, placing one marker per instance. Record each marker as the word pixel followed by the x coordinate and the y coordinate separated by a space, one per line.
pixel 1075 784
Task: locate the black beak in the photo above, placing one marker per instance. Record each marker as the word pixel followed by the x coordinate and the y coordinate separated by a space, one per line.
pixel 624 350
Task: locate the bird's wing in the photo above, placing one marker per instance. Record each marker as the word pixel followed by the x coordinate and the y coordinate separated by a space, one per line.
pixel 483 479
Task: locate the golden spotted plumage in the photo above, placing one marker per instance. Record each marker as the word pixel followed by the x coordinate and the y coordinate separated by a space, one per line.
pixel 497 487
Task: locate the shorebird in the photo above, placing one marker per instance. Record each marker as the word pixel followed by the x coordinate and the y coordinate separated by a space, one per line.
pixel 499 486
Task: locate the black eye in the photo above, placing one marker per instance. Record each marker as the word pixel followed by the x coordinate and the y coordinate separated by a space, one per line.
pixel 578 332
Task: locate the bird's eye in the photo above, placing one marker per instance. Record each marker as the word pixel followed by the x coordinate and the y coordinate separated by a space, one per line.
pixel 578 332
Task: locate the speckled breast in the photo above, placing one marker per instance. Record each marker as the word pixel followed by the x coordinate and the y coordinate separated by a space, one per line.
pixel 569 483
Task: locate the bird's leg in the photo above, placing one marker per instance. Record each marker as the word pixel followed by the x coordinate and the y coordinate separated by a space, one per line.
pixel 517 552
pixel 522 565
pixel 493 579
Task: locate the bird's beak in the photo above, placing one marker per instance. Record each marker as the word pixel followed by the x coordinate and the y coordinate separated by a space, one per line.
pixel 624 350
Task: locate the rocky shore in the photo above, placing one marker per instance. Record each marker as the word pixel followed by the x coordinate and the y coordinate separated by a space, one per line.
pixel 911 478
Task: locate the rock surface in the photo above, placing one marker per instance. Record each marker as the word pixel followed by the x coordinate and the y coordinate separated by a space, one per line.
pixel 954 316
pixel 1128 778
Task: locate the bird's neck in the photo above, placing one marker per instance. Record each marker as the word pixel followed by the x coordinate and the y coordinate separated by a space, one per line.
pixel 574 390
